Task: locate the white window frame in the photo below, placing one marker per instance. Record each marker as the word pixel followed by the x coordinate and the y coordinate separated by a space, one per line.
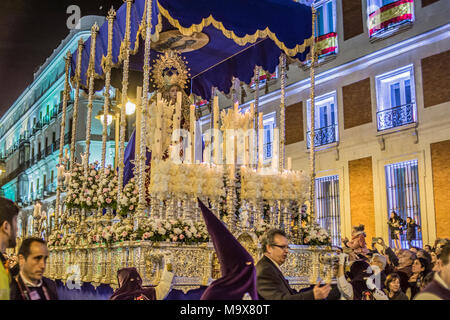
pixel 384 82
pixel 322 3
pixel 335 207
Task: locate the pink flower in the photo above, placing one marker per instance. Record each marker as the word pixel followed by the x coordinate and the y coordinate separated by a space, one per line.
pixel 97 177
pixel 131 207
pixel 124 234
pixel 135 191
pixel 181 237
pixel 107 171
pixel 108 200
pixel 174 238
pixel 88 199
pixel 105 190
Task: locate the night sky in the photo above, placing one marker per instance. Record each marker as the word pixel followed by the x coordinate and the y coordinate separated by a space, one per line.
pixel 29 32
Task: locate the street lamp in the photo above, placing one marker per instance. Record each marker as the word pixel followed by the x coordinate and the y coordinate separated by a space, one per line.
pixel 101 116
pixel 130 108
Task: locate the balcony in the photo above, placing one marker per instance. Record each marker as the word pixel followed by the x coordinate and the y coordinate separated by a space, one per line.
pixel 323 136
pixel 36 127
pixel 389 18
pixel 50 189
pixel 50 149
pixel 396 117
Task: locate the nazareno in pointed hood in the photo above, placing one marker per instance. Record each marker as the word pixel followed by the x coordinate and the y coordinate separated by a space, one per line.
pixel 236 264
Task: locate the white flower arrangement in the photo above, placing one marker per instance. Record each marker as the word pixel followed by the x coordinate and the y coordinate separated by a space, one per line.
pixel 315 235
pixel 180 231
pixel 107 188
pixel 75 186
pixel 180 180
pixel 130 198
pixel 54 239
pixel 290 185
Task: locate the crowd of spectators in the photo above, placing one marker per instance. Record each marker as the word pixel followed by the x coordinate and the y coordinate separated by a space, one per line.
pixel 388 273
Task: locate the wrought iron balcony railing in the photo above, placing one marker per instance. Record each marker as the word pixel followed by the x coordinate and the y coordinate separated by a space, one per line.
pixel 267 150
pixel 395 117
pixel 323 136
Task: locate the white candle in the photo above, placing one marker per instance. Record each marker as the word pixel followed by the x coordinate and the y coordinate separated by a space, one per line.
pixel 252 134
pixel 260 140
pixel 192 133
pixel 275 150
pixel 246 152
pixel 159 126
pixel 137 135
pixel 216 129
pixel 289 164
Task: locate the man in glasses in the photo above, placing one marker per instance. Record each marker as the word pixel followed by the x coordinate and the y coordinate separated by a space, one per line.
pixel 271 283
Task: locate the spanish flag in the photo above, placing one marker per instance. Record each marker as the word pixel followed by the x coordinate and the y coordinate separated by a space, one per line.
pixel 389 14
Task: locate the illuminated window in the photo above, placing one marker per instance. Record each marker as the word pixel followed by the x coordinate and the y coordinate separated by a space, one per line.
pixel 326 36
pixel 402 191
pixel 396 98
pixel 327 207
pixel 325 114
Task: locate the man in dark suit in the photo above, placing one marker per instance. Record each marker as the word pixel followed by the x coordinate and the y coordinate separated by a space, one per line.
pixel 30 284
pixel 271 283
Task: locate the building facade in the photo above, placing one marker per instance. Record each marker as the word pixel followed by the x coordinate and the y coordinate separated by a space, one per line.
pixel 30 131
pixel 382 115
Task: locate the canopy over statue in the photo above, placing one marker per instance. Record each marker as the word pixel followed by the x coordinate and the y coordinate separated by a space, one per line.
pixel 219 39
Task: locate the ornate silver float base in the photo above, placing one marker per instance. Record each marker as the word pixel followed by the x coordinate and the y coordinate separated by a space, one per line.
pixel 193 265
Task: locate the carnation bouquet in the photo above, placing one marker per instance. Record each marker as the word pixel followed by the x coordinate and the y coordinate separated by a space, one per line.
pixel 107 188
pixel 172 230
pixel 130 198
pixel 75 186
pixel 89 193
pixel 314 235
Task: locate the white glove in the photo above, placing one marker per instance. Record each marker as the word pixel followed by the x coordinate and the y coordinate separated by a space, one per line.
pixel 343 258
pixel 370 284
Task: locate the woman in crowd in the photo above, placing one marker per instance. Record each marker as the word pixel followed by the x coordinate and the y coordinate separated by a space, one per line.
pixel 395 227
pixel 393 290
pixel 428 248
pixel 420 269
pixel 411 227
pixel 433 261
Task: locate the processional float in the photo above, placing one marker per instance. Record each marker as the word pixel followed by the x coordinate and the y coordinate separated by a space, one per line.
pixel 147 210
